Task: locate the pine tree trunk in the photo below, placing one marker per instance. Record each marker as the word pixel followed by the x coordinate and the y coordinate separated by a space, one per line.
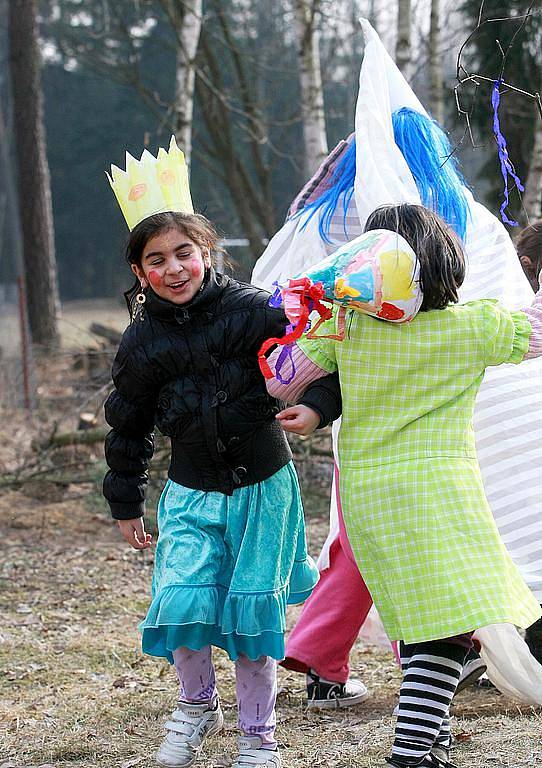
pixel 33 174
pixel 10 230
pixel 532 199
pixel 403 51
pixel 373 14
pixel 312 95
pixel 435 64
pixel 188 34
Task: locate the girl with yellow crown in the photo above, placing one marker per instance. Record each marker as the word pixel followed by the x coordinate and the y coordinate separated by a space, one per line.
pixel 231 552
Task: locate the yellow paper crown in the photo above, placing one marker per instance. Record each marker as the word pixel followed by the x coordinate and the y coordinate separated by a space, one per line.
pixel 152 185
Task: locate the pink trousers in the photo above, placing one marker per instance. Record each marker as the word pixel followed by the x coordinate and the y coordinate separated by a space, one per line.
pixel 331 618
pixel 333 615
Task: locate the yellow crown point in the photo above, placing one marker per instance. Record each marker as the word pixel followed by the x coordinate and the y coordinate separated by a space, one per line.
pixel 152 184
pixel 173 148
pixel 146 156
pixel 130 162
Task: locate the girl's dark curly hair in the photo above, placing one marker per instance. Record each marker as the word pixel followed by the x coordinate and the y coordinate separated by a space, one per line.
pixel 437 248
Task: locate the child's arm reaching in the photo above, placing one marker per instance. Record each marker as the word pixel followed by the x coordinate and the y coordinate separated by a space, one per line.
pixel 130 411
pixel 510 337
pixel 315 392
pixel 306 372
pixel 299 419
pixel 315 389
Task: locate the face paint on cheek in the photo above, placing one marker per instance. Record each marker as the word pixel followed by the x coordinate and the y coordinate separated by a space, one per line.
pixel 197 268
pixel 155 279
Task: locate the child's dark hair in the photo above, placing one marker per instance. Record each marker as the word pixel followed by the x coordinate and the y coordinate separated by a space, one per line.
pixel 437 248
pixel 529 248
pixel 194 225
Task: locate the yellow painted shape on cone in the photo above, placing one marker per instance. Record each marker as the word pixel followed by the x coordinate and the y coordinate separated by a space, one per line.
pixel 342 289
pixel 397 268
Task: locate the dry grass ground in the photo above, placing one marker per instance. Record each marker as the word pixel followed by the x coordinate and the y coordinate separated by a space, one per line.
pixel 76 691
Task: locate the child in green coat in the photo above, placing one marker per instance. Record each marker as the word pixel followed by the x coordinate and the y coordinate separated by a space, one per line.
pixel 412 495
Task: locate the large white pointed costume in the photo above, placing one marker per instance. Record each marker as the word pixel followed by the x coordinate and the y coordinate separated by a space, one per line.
pixel 508 417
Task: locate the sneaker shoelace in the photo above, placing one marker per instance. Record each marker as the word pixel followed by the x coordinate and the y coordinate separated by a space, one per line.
pixel 324 689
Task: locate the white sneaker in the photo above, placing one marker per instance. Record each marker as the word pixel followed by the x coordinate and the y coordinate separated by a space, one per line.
pixel 251 753
pixel 186 731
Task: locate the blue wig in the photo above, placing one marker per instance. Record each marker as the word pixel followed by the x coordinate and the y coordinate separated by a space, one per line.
pixel 427 151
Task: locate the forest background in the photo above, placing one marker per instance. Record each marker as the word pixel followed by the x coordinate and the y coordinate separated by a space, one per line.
pixel 274 84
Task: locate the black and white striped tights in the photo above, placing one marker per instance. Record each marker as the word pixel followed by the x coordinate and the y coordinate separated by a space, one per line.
pixel 431 673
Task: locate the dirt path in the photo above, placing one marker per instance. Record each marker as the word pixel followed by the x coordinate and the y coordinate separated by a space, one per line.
pixel 76 691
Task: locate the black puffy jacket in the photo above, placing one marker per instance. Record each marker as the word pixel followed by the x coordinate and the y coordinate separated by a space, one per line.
pixel 192 371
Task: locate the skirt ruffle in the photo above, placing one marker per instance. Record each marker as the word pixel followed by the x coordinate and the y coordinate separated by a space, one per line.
pixel 303 580
pixel 252 624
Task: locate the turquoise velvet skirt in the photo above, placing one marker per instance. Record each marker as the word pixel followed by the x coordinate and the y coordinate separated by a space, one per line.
pixel 227 566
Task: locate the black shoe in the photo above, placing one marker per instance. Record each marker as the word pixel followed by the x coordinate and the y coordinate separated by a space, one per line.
pixel 473 668
pixel 485 684
pixel 441 750
pixel 533 638
pixel 325 694
pixel 429 761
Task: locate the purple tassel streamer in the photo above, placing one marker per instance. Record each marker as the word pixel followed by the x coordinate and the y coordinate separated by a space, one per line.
pixel 285 354
pixel 507 169
pixel 276 299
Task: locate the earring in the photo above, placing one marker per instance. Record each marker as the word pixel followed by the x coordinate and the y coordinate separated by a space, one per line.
pixel 140 299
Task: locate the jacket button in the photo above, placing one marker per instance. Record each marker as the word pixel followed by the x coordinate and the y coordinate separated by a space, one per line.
pixel 181 316
pixel 241 472
pixel 221 396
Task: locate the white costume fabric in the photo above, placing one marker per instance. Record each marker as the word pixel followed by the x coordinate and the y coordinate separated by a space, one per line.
pixel 508 416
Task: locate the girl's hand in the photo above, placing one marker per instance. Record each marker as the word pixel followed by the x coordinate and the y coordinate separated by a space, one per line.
pixel 299 419
pixel 134 533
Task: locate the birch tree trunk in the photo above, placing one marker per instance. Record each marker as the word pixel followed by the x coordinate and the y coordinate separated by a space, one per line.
pixel 532 199
pixel 307 15
pixel 436 99
pixel 403 50
pixel 186 18
pixel 35 205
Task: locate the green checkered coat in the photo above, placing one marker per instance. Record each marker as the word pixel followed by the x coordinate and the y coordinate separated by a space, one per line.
pixel 411 490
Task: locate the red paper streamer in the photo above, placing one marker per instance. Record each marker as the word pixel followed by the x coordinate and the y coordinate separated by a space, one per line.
pixel 310 297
